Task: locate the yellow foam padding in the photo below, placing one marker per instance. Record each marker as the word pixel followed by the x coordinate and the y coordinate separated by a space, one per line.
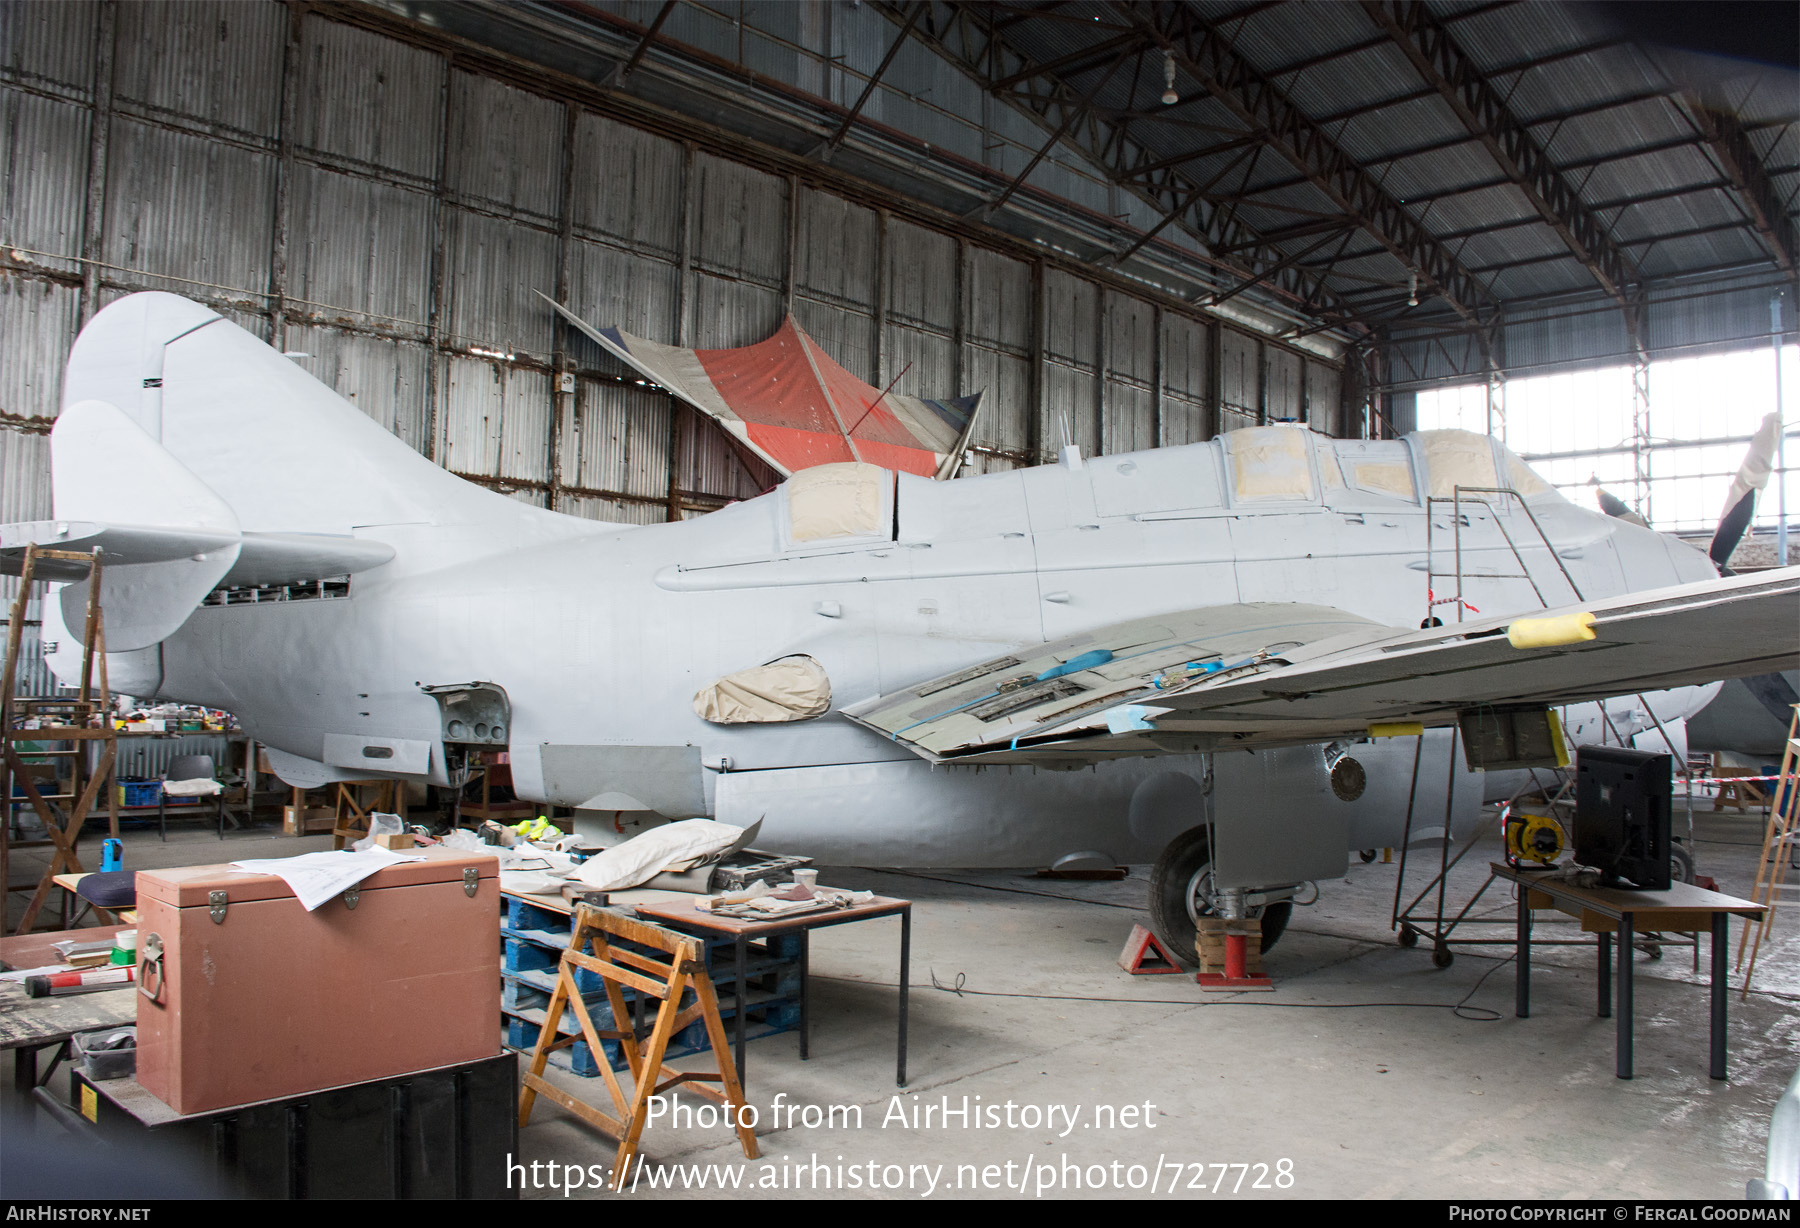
pixel 1397 729
pixel 1549 632
pixel 1556 737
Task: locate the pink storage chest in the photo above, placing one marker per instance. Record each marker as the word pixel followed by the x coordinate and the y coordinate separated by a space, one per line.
pixel 259 999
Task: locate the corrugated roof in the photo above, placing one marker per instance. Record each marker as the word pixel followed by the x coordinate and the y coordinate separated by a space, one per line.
pixel 1614 121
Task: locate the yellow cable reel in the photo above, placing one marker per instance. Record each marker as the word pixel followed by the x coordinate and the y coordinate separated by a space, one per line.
pixel 1535 837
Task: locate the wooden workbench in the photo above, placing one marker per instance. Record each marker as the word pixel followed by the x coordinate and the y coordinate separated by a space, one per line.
pixel 30 1025
pixel 682 915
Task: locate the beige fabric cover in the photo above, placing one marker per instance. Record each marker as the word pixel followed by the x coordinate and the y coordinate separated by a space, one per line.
pixel 644 856
pixel 1457 458
pixel 1522 478
pixel 843 500
pixel 790 689
pixel 1383 477
pixel 1272 462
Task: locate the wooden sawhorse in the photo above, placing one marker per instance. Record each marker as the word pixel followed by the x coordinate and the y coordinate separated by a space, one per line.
pixel 620 967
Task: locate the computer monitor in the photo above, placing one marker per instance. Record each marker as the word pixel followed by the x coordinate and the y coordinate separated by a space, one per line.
pixel 1622 811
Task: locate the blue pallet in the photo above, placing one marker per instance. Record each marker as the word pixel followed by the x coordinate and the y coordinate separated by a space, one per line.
pixel 523 916
pixel 548 927
pixel 520 1032
pixel 522 1035
pixel 528 961
pixel 534 938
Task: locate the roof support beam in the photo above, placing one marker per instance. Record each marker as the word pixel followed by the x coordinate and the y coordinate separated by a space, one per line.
pixel 974 40
pixel 1074 62
pixel 1483 111
pixel 1259 278
pixel 1578 164
pixel 1208 57
pixel 1737 157
pixel 1599 206
pixel 1518 67
pixel 1187 202
pixel 1071 117
pixel 643 47
pixel 843 130
pixel 1146 169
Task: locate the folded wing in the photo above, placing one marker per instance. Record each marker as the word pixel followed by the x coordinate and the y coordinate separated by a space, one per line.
pixel 1271 675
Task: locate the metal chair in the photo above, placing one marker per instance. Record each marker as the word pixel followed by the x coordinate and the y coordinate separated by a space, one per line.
pixel 191 772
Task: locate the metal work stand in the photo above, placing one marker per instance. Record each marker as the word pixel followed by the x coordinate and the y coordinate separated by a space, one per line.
pixel 1437 924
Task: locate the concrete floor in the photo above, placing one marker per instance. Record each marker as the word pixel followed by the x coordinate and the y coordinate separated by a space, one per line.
pixel 1355 1078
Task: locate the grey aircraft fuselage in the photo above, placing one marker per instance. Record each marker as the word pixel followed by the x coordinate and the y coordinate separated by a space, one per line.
pixel 215 471
pixel 601 635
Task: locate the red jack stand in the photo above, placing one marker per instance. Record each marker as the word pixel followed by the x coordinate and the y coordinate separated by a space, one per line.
pixel 1234 939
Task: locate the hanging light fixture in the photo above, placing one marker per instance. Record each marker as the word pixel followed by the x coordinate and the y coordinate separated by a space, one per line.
pixel 1412 290
pixel 1169 96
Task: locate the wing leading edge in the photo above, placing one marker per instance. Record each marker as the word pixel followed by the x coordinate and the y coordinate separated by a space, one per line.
pixel 1245 676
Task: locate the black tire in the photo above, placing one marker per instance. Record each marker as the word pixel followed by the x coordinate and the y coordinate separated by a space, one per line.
pixel 1681 865
pixel 1442 956
pixel 1171 880
pixel 1409 937
pixel 1367 855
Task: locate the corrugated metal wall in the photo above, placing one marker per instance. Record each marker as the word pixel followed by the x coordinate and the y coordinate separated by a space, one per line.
pixel 389 215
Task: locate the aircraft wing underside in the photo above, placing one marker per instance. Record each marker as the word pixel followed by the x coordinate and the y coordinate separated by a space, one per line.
pixel 1272 674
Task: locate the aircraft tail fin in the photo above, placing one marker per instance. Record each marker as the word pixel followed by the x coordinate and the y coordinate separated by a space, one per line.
pixel 280 450
pixel 104 467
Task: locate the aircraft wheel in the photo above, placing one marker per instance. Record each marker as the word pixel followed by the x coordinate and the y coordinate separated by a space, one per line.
pixel 1181 883
pixel 1409 937
pixel 1442 956
pixel 1367 856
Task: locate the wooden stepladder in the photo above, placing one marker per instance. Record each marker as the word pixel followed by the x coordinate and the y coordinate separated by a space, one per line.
pixel 682 974
pixel 62 720
pixel 1779 841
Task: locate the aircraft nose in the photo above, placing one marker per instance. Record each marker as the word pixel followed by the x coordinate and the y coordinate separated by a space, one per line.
pixel 1690 562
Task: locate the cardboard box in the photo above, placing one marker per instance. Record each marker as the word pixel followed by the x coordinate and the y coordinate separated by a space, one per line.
pixel 258 999
pixel 305 820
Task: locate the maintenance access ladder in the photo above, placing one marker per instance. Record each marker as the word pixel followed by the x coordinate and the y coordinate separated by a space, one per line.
pixel 1436 923
pixel 1460 495
pixel 1780 840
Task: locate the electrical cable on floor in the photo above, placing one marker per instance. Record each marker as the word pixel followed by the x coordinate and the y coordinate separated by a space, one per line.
pixel 959 987
pixel 1459 1010
pixel 1050 895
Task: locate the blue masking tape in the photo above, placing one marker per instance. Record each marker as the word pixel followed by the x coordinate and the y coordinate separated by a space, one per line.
pixel 1074 665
